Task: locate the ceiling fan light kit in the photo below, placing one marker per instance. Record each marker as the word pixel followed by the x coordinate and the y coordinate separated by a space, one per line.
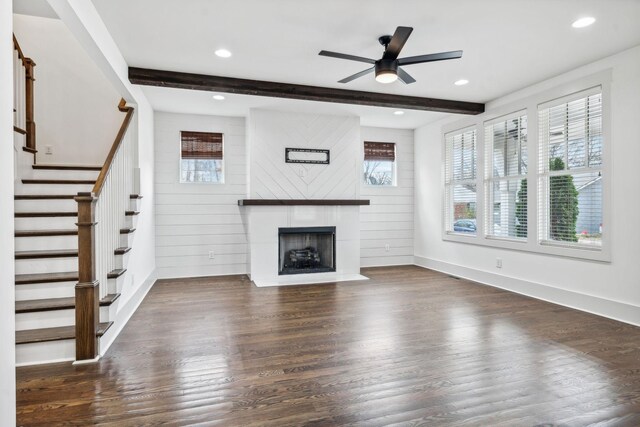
pixel 387 69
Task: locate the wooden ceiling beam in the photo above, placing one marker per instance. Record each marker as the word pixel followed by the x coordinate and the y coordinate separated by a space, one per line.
pixel 173 79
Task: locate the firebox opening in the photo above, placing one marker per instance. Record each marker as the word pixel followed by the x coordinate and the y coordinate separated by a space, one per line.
pixel 306 250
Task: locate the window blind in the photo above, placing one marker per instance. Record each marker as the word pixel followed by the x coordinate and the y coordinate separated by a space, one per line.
pixel 570 171
pixel 379 151
pixel 201 145
pixel 506 180
pixel 460 181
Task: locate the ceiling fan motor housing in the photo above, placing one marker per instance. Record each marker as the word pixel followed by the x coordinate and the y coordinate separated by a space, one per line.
pixel 386 66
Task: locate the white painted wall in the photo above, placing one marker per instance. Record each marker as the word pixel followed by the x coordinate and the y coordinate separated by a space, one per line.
pixel 611 289
pixel 270 132
pixel 75 105
pixel 389 218
pixel 7 291
pixel 194 219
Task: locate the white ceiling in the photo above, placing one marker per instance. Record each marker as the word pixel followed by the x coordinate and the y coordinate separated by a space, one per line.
pixel 508 45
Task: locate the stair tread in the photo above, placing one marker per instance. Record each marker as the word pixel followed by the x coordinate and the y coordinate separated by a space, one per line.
pixel 58 181
pixel 48 304
pixel 51 304
pixel 131 213
pixel 109 299
pixel 127 230
pixel 135 196
pixel 45 214
pixel 54 334
pixel 122 250
pixel 26 279
pixel 40 233
pixel 52 253
pixel 114 274
pixel 44 196
pixel 69 167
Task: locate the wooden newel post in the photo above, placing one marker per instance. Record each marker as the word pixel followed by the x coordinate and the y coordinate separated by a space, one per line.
pixel 87 289
pixel 29 113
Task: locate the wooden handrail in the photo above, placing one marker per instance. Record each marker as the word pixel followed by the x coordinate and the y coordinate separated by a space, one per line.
pixel 16 46
pixel 97 188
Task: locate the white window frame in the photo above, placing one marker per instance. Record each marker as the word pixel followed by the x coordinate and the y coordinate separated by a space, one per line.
pixel 447 223
pixel 394 168
pixel 530 104
pixel 224 166
pixel 489 179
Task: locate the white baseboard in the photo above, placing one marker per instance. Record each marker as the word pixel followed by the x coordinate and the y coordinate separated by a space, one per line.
pixel 615 310
pixel 125 313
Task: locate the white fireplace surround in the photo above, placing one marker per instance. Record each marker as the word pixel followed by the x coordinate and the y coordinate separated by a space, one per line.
pixel 262 224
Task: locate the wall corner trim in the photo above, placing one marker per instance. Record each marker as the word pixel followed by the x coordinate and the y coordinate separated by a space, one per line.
pixel 615 310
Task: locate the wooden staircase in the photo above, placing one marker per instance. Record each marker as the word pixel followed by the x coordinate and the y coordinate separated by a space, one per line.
pixel 47 262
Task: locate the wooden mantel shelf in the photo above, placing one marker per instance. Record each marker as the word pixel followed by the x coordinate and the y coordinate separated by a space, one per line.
pixel 303 202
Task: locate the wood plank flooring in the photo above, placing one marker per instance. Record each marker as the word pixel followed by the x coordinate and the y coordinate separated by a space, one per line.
pixel 408 347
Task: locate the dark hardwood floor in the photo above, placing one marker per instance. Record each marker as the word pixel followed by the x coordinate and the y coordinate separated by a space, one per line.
pixel 408 347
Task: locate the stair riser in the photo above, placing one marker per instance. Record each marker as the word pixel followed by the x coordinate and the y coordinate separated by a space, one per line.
pixel 126 240
pixel 45 352
pixel 115 286
pixel 46 223
pixel 45 291
pixel 47 205
pixel 64 174
pixel 122 261
pixel 45 319
pixel 135 205
pixel 53 188
pixel 46 242
pixel 46 265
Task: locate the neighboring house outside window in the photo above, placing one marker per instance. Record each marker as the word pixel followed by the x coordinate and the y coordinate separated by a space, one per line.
pixel 201 157
pixel 379 166
pixel 460 182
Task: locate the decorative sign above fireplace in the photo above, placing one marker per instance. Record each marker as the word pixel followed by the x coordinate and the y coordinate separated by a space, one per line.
pixel 306 155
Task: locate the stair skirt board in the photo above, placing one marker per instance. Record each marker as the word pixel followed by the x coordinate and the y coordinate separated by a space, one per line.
pixel 54 351
pixel 46 243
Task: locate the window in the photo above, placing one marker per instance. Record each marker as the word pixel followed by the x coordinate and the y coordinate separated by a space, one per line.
pixel 201 157
pixel 570 171
pixel 506 176
pixel 379 165
pixel 460 182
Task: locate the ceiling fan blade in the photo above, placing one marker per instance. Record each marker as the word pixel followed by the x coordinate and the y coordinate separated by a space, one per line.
pixel 357 75
pixel 404 77
pixel 397 42
pixel 442 56
pixel 345 56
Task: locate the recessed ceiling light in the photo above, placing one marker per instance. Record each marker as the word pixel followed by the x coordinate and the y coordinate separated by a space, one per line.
pixel 218 97
pixel 223 53
pixel 398 113
pixel 461 82
pixel 583 22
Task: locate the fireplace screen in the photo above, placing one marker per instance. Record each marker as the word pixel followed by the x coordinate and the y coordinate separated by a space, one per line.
pixel 307 250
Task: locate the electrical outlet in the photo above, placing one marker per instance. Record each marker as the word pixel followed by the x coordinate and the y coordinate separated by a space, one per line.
pixel 48 149
pixel 211 255
pixel 499 262
pixel 387 247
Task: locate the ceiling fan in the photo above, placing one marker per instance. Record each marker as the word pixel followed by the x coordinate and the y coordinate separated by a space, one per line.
pixel 387 68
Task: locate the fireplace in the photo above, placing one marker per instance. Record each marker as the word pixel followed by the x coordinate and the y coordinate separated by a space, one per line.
pixel 306 250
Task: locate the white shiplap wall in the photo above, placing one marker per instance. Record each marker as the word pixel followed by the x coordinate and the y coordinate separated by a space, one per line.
pixel 193 219
pixel 270 132
pixel 389 219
